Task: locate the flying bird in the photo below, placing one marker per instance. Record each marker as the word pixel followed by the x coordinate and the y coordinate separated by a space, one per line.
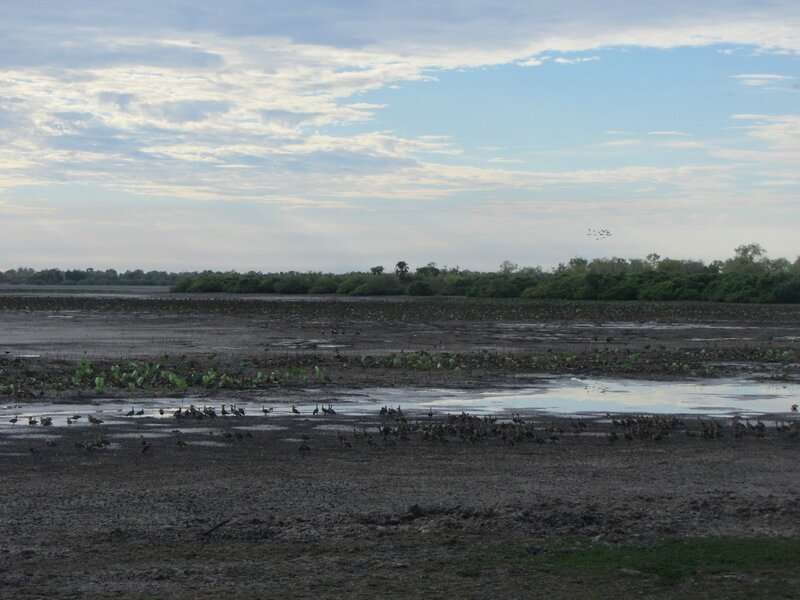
pixel 599 234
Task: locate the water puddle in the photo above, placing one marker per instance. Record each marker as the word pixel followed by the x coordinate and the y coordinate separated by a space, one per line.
pixel 263 427
pixel 208 443
pixel 566 396
pixel 548 396
pixel 146 435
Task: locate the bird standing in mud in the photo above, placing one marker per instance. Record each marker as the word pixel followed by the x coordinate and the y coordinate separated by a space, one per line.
pixel 294 410
pixel 304 447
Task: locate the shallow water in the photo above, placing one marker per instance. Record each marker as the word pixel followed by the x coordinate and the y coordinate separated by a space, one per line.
pixel 562 396
pixel 577 395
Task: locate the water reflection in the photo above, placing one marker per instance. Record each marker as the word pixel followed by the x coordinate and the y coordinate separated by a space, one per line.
pixel 551 396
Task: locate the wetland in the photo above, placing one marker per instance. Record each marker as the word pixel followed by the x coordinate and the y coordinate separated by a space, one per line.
pixel 468 447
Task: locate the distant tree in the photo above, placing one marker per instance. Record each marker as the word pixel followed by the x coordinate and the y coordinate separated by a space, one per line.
pixel 507 267
pixel 401 270
pixel 749 252
pixel 376 270
pixel 429 270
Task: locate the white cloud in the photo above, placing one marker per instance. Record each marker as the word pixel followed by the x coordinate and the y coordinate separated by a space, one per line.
pixel 761 79
pixel 504 161
pixel 16 209
pixel 574 61
pixel 779 132
pixel 668 133
pixel 626 142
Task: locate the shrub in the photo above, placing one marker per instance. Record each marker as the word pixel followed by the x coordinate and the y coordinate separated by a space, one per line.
pixel 378 285
pixel 419 287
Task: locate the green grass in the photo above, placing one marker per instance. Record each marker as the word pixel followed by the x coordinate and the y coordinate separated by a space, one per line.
pixel 670 560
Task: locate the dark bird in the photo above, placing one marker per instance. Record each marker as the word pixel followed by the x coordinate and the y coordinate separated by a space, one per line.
pixel 130 413
pixel 294 410
pixel 13 420
pixel 316 409
pixel 145 446
pixel 794 407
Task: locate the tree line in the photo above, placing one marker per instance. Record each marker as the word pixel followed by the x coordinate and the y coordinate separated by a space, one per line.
pixel 749 276
pixel 87 277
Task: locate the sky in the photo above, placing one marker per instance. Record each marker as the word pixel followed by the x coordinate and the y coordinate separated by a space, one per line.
pixel 335 136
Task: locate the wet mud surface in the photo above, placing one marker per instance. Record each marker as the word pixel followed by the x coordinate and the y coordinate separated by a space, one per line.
pixel 309 506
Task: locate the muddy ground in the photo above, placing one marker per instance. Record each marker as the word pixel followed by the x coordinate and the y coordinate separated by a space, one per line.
pixel 276 515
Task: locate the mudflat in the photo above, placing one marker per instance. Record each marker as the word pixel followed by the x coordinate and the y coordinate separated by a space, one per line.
pixel 385 503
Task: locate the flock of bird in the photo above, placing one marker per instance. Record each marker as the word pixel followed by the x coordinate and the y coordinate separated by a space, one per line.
pixel 395 427
pixel 599 234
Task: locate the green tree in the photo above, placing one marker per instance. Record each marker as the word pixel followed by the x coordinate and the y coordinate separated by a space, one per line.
pixel 401 270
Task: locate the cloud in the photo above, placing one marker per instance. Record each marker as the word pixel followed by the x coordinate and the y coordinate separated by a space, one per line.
pixel 266 104
pixel 191 111
pixel 779 132
pixel 46 51
pixel 505 161
pixel 120 100
pixel 682 144
pixel 668 133
pixel 17 209
pixel 761 79
pixel 574 61
pixel 626 142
